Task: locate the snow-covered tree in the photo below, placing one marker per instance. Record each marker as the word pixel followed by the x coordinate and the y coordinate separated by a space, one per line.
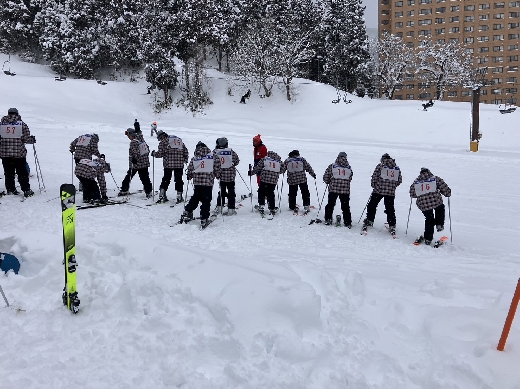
pixel 443 65
pixel 18 32
pixel 394 61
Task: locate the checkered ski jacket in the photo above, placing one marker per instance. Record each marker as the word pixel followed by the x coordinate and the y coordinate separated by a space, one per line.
pixel 265 164
pixel 93 170
pixel 85 152
pixel 173 158
pixel 296 177
pixel 383 185
pixel 336 176
pixel 196 167
pixel 138 150
pixel 227 174
pixel 15 147
pixel 429 200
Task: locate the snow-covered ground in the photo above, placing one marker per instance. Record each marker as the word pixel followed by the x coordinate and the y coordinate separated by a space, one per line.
pixel 252 303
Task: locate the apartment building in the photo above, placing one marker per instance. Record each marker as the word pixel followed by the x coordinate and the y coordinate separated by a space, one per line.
pixel 490 30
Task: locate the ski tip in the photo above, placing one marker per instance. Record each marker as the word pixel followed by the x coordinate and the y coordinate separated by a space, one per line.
pixel 443 239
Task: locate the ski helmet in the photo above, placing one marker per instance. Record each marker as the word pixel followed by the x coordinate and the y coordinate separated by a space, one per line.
pixel 131 132
pixel 222 143
pixel 294 153
pixel 95 137
pixel 12 111
pixel 200 145
pixel 160 134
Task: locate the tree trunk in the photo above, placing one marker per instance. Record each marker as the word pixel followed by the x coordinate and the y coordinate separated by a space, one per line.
pixel 219 58
pixel 266 89
pixel 165 94
pixel 288 88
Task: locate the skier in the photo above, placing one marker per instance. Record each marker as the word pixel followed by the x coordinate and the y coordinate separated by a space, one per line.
pixel 174 153
pixel 137 126
pixel 385 180
pixel 14 134
pixel 338 176
pixel 260 152
pixel 268 169
pixel 88 171
pixel 153 128
pixel 138 161
pixel 296 167
pixel 427 189
pixel 84 147
pixel 204 167
pixel 228 160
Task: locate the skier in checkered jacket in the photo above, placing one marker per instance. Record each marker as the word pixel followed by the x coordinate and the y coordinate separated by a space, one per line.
pixel 88 171
pixel 175 155
pixel 85 146
pixel 14 134
pixel 138 163
pixel 385 180
pixel 428 190
pixel 337 177
pixel 296 166
pixel 228 160
pixel 269 169
pixel 203 168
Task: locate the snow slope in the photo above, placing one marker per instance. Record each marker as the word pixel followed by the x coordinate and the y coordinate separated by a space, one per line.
pixel 251 303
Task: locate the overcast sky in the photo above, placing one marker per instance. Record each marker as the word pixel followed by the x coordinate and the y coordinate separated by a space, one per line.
pixel 371 13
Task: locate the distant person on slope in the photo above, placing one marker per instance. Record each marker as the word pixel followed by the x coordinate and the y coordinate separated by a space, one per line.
pixel 268 168
pixel 14 134
pixel 337 177
pixel 427 189
pixel 139 163
pixel 260 152
pixel 174 154
pixel 84 147
pixel 153 129
pixel 87 172
pixel 385 180
pixel 137 126
pixel 203 168
pixel 296 167
pixel 228 161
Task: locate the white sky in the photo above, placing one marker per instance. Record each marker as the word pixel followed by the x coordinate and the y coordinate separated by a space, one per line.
pixel 371 13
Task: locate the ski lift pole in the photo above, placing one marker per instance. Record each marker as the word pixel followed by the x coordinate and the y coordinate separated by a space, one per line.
pixel 3 295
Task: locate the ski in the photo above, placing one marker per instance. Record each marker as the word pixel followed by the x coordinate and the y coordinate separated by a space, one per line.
pixel 68 217
pixel 2 194
pixel 102 205
pixel 364 230
pixel 296 211
pixel 440 242
pixel 392 232
pixel 211 219
pixel 159 203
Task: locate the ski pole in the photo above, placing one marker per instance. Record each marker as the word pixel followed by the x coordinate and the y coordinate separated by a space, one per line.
pixel 364 209
pixel 118 188
pixel 319 209
pixel 408 221
pixel 38 170
pixel 449 213
pixel 250 193
pixel 72 168
pixel 3 295
pixel 250 183
pixel 153 179
pixel 281 191
pixel 317 193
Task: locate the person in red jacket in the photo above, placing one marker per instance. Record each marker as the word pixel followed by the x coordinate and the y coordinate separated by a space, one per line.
pixel 259 153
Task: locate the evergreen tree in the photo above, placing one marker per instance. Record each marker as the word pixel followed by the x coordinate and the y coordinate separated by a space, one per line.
pixel 18 32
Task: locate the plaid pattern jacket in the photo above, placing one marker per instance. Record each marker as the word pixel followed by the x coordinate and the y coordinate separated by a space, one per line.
pixel 268 176
pixel 15 147
pixel 92 170
pixel 172 158
pixel 385 187
pixel 430 200
pixel 296 178
pixel 338 185
pixel 228 174
pixel 85 152
pixel 203 178
pixel 136 146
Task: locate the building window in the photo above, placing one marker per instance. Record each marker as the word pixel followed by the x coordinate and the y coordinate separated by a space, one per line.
pixel 483 50
pixel 499 16
pixel 484 6
pixel 440 31
pixel 398 97
pixel 385 22
pixel 410 34
pixel 410 44
pixel 410 23
pixel 498 48
pixel 469 40
pixel 512 80
pixel 466 93
pixel 512 68
pixel 454 19
pixel 399 34
pixel 399 14
pixel 398 24
pixel 452 93
pixel 410 86
pixel 425 95
pixel 483 39
pixel 385 12
pixel 514 25
pixel 440 10
pixel 469 8
pixel 496 91
pixel 469 29
pixel 470 50
pixel 426 11
pixel 498 70
pixel 483 60
pixel 497 81
pixel 454 29
pixel 425 1
pixel 469 18
pixel 398 3
pixel 425 32
pixel 410 97
pixel 498 37
pixel 410 13
pixel 441 41
pixel 483 17
pixel 483 92
pixel 498 26
pixel 411 2
pixel 513 58
pixel 425 21
pixel 500 5
pixel 454 40
pixel 512 47
pixel 496 101
pixel 440 20
pixel 514 14
pixel 513 36
pixel 514 4
pixel 384 2
pixel 483 28
pixel 454 8
pixel 498 59
pixel 512 91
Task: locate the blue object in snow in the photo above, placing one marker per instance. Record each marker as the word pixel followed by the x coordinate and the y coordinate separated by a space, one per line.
pixel 9 262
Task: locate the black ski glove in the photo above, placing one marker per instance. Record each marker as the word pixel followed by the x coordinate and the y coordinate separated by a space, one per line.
pixel 134 161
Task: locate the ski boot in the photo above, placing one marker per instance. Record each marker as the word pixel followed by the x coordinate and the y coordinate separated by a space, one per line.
pixel 13 192
pixel 349 226
pixel 366 223
pixel 218 209
pixel 186 217
pixel 123 193
pixel 28 193
pixel 440 227
pixel 419 240
pixel 179 197
pixel 328 222
pixel 149 195
pixel 391 230
pixel 204 223
pixel 162 196
pixel 231 212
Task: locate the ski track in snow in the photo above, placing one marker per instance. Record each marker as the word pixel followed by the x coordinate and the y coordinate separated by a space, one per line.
pixel 252 303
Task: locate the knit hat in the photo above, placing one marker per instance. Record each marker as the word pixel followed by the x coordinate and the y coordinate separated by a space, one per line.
pixel 342 155
pixel 425 170
pixel 257 139
pixel 161 133
pixel 294 153
pixel 200 145
pixel 14 111
pixel 385 156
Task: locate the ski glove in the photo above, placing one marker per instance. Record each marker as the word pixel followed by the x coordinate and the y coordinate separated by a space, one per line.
pixel 153 153
pixel 313 175
pixel 189 177
pixel 102 156
pixel 32 139
pixel 134 161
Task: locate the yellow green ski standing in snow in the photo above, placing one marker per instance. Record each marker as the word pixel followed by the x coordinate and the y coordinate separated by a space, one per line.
pixel 68 217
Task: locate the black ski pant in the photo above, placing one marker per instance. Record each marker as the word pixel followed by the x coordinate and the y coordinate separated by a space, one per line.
pixel 375 198
pixel 143 175
pixel 80 189
pixel 344 199
pixel 204 195
pixel 433 219
pixel 293 191
pixel 15 165
pixel 227 190
pixel 177 177
pixel 266 190
pixel 90 189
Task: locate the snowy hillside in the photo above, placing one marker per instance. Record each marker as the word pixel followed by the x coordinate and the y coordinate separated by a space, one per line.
pixel 252 303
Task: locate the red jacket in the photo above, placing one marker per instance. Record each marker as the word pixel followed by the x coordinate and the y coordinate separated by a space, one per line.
pixel 260 152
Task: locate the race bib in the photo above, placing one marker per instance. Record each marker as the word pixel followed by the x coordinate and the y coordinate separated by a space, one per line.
pixel 89 162
pixel 271 165
pixel 13 130
pixel 203 164
pixel 294 165
pixel 390 173
pixel 341 172
pixel 143 148
pixel 175 142
pixel 424 187
pixel 84 140
pixel 226 158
